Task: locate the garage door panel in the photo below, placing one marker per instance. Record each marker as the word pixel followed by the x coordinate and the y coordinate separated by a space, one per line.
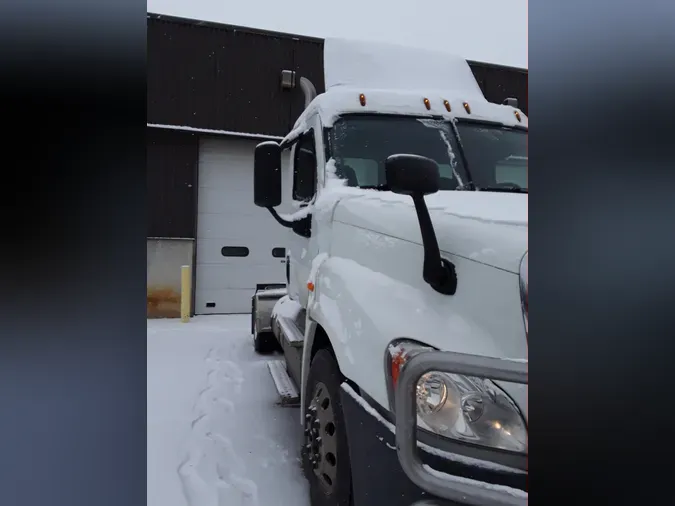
pixel 227 200
pixel 228 218
pixel 221 176
pixel 214 277
pixel 250 240
pixel 233 200
pixel 210 251
pixel 214 225
pixel 225 250
pixel 225 300
pixel 240 263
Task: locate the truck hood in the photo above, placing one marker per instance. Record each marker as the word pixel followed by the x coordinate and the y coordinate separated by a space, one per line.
pixel 486 227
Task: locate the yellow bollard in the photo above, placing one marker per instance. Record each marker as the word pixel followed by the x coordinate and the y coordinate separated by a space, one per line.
pixel 185 293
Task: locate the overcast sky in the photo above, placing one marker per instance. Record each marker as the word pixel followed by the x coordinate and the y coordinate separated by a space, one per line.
pixel 493 31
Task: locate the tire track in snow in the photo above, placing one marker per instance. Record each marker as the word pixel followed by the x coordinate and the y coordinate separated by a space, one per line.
pixel 212 473
pixel 231 470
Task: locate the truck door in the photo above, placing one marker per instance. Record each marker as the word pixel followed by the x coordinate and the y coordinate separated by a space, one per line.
pixel 304 188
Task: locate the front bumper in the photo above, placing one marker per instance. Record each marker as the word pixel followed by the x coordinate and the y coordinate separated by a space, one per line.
pixel 377 475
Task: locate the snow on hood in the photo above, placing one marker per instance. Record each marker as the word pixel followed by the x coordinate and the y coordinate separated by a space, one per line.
pixel 487 227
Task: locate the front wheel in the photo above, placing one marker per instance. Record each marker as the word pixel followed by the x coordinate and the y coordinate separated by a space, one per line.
pixel 325 452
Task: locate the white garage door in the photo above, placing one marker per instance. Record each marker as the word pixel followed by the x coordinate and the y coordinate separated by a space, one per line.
pixel 239 245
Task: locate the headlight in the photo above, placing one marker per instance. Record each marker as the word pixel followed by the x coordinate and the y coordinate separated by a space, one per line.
pixel 468 409
pixel 524 289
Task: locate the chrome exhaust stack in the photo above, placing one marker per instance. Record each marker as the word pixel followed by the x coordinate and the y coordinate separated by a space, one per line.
pixel 308 90
pixel 288 82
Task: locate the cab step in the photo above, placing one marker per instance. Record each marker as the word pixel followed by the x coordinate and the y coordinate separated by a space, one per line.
pixel 288 393
pixel 291 331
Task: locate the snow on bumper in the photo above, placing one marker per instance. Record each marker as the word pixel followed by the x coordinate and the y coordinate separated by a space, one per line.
pixel 377 475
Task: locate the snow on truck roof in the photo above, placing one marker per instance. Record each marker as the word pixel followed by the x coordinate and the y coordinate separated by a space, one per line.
pixel 382 65
pixel 376 77
pixel 352 100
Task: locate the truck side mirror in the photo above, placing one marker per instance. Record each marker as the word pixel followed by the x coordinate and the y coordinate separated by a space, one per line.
pixel 267 175
pixel 418 176
pixel 412 175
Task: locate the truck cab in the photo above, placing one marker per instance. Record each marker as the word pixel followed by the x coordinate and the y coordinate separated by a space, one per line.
pixel 409 236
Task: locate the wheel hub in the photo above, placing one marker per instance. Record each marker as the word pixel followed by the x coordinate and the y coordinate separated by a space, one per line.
pixel 320 437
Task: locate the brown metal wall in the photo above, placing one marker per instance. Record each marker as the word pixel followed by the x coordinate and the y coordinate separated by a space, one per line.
pixel 308 63
pixel 221 77
pixel 171 163
pixel 499 83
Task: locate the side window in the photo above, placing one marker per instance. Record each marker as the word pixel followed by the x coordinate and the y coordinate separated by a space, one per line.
pixel 304 167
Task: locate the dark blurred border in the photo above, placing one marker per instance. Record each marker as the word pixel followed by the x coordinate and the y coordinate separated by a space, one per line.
pixel 602 234
pixel 72 254
pixel 72 282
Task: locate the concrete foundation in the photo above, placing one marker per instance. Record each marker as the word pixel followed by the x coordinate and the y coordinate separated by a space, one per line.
pixel 165 258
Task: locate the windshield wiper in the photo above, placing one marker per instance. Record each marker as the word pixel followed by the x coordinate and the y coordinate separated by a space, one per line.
pixel 379 187
pixel 466 187
pixel 503 189
pixel 385 188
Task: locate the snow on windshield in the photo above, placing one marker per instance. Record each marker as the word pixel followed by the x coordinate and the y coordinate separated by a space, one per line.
pixel 442 128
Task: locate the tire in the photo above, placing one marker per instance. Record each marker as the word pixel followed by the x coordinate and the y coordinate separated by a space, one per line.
pixel 323 383
pixel 253 315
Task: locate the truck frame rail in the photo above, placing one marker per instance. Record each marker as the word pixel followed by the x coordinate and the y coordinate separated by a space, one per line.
pixel 435 483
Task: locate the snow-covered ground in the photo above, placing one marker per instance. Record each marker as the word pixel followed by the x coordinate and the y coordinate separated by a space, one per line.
pixel 216 436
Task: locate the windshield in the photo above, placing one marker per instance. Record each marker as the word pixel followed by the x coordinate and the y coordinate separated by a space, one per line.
pixel 496 156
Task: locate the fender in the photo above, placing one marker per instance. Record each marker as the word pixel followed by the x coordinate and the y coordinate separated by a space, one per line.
pixel 310 332
pixel 362 310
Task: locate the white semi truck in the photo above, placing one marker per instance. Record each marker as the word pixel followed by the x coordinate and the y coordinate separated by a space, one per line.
pixel 404 320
